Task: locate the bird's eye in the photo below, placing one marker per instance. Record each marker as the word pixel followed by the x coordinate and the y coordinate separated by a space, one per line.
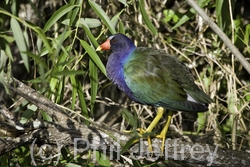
pixel 114 40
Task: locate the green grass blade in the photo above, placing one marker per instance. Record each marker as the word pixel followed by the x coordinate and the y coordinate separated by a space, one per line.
pixel 3 59
pixel 20 41
pixel 74 13
pixel 57 15
pixel 60 90
pixel 93 75
pixel 81 98
pixel 100 12
pixel 130 142
pixel 92 23
pixel 94 56
pixel 67 72
pixel 46 117
pixel 102 159
pixel 37 59
pixel 247 34
pixel 85 26
pixel 190 13
pixel 201 120
pixel 74 91
pixel 124 2
pixel 145 17
pixel 121 27
pixel 35 28
pixel 27 114
pixel 129 118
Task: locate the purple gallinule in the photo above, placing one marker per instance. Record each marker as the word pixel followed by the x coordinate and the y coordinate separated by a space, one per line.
pixel 152 77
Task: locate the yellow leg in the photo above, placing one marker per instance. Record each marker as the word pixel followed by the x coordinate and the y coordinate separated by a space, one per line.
pixel 160 112
pixel 164 131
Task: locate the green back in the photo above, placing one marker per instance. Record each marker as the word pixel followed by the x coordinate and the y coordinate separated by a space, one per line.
pixel 157 78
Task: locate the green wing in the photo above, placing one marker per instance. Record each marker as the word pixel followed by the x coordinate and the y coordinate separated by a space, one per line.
pixel 157 78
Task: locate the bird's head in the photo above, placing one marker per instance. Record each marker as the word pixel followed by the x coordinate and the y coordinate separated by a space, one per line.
pixel 117 42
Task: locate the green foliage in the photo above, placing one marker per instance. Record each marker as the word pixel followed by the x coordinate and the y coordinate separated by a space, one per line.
pixel 103 16
pixel 146 18
pixel 170 15
pixel 102 159
pixel 223 14
pixel 20 41
pixel 57 50
pixel 189 14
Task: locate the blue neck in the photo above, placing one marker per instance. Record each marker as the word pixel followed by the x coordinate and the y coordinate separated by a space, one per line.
pixel 115 71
